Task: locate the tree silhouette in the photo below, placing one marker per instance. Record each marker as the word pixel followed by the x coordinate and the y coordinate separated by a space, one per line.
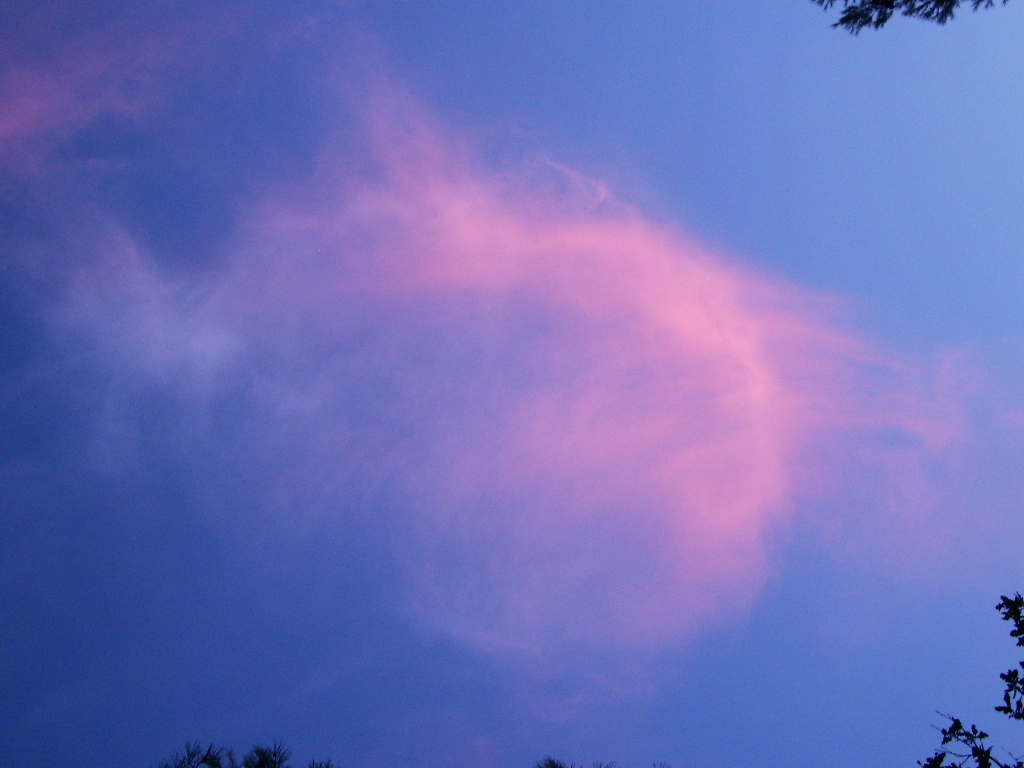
pixel 277 755
pixel 966 747
pixel 858 14
pixel 273 756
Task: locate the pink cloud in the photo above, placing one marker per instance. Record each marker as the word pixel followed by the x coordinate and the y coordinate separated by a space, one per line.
pixel 42 105
pixel 589 426
pixel 59 74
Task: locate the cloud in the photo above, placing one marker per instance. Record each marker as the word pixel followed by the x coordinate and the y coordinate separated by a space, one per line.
pixel 635 416
pixel 60 86
pixel 579 429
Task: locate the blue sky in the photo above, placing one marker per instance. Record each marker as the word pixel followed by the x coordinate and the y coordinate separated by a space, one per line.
pixel 881 165
pixel 458 383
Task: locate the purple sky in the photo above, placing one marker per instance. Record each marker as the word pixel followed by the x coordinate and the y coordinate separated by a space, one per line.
pixel 452 384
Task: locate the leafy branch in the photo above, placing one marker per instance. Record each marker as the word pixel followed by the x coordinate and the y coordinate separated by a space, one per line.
pixel 966 747
pixel 858 14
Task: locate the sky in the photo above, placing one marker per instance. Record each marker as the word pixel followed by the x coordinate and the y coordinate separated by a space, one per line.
pixel 450 384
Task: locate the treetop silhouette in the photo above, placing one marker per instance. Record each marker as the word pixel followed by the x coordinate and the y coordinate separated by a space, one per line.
pixel 858 14
pixel 966 747
pixel 273 756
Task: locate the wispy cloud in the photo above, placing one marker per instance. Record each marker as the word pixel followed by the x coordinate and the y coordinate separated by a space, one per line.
pixel 579 428
pixel 585 427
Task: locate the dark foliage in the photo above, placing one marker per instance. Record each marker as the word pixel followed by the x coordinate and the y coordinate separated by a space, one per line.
pixel 273 756
pixel 277 755
pixel 858 14
pixel 965 747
